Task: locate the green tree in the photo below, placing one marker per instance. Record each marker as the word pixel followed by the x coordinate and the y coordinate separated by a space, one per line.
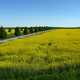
pixel 36 29
pixel 21 28
pixel 9 29
pixel 25 31
pixel 3 33
pixel 17 31
pixel 31 29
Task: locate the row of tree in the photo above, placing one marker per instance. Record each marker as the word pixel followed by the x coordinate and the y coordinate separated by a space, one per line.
pixel 21 30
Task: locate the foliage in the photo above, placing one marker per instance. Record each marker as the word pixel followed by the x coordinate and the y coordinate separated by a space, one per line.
pixel 31 29
pixel 3 33
pixel 12 31
pixel 26 31
pixel 17 31
pixel 9 29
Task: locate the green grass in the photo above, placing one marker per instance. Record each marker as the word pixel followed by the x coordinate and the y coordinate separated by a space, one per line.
pixel 54 55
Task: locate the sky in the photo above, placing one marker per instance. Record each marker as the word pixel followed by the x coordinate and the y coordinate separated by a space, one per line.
pixel 40 12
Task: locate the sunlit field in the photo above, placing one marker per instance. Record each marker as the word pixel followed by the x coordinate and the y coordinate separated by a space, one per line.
pixel 53 55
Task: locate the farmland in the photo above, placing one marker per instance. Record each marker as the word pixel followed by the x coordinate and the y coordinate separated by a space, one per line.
pixel 54 55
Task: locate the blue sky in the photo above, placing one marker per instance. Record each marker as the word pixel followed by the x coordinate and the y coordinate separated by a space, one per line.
pixel 40 12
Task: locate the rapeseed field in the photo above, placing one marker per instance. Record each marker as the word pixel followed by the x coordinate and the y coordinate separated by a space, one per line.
pixel 53 55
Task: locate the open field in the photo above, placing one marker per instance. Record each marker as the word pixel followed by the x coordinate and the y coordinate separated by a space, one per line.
pixel 54 55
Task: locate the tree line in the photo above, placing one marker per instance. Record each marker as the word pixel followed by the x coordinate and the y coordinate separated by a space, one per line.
pixel 21 30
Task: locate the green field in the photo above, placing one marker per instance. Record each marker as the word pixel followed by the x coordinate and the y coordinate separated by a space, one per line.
pixel 53 55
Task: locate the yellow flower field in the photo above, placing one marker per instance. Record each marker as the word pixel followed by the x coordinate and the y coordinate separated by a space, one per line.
pixel 34 57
